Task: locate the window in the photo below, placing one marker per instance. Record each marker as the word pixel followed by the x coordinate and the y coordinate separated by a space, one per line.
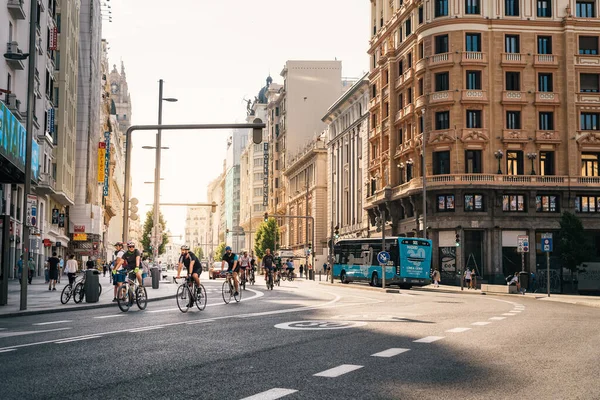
pixel 421 123
pixel 401 100
pixel 474 80
pixel 589 121
pixel 409 96
pixel 545 83
pixel 441 162
pixel 420 15
pixel 400 136
pixel 513 202
pixel 441 8
pixel 373 91
pixel 585 9
pixel 445 202
pixel 421 87
pixel 473 118
pixel 421 50
pixel 473 42
pixel 472 7
pixel 589 164
pixel 442 120
pixel 546 121
pixel 546 203
pixel 588 45
pixel 513 120
pixel 587 204
pixel 514 162
pixel 544 44
pixel 474 202
pixel 409 171
pixel 589 83
pixel 544 8
pixel 442 81
pixel 511 44
pixel 513 80
pixel 473 162
pixel 407 28
pixel 511 8
pixel 401 67
pixel 409 60
pixel 441 44
pixel 546 163
pixel 277 111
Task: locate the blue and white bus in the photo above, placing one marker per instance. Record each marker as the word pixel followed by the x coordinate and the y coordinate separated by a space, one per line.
pixel 409 265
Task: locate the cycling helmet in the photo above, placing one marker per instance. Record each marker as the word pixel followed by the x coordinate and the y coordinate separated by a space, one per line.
pixel 185 247
pixel 227 248
pixel 119 244
pixel 130 243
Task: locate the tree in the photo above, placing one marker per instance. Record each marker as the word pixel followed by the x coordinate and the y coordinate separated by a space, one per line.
pixel 573 245
pixel 147 235
pixel 199 253
pixel 266 236
pixel 219 251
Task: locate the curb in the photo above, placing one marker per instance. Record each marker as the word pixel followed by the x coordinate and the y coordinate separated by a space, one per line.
pixel 361 287
pixel 423 289
pixel 71 308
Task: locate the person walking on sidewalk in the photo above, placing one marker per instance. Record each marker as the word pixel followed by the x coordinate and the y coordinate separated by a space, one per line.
pixel 71 269
pixel 61 267
pixel 19 268
pixel 473 279
pixel 31 269
pixel 301 269
pixel 436 278
pixel 468 279
pixel 53 271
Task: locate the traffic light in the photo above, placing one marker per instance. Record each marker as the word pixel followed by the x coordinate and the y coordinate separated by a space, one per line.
pixel 257 133
pixel 227 231
pixel 266 217
pixel 213 207
pixel 457 239
pixel 336 231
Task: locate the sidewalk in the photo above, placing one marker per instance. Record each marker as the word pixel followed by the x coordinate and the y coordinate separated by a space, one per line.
pixel 40 300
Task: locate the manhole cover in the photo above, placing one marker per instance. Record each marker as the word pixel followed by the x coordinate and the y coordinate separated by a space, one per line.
pixel 319 325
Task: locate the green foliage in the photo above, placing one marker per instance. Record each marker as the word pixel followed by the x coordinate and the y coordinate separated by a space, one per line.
pixel 265 237
pixel 573 245
pixel 199 253
pixel 147 235
pixel 219 251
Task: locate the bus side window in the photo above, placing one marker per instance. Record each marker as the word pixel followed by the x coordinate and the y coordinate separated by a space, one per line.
pixel 394 254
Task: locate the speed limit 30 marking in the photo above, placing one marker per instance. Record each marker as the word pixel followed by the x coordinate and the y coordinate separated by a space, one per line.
pixel 319 325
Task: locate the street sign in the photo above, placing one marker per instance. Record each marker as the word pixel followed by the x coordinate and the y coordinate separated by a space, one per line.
pixel 546 245
pixel 523 244
pixel 31 210
pixel 383 257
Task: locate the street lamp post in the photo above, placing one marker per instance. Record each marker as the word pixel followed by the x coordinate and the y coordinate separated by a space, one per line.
pixel 532 157
pixel 499 154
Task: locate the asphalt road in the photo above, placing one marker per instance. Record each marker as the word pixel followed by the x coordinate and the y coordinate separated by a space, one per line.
pixel 346 343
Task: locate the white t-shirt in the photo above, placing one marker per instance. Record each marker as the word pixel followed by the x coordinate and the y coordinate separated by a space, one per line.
pixel 468 274
pixel 244 261
pixel 71 266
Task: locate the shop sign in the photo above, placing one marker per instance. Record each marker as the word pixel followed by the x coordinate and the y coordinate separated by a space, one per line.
pixel 79 237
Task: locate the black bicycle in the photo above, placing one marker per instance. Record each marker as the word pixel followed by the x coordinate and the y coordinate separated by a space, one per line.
pixel 129 292
pixel 228 289
pixel 252 278
pixel 76 290
pixel 189 293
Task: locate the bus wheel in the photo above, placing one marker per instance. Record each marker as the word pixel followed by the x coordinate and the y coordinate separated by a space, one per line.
pixel 343 277
pixel 375 279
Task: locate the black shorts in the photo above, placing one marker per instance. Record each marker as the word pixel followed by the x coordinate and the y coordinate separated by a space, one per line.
pixel 236 269
pixel 197 271
pixel 53 274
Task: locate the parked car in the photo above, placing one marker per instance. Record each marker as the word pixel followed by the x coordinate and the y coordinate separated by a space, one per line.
pixel 215 271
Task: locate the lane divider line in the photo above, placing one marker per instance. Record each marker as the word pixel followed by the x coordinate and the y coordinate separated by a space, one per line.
pixel 497 318
pixel 390 352
pixel 109 316
pixel 7 350
pixel 428 339
pixel 77 339
pixel 51 323
pixel 458 330
pixel 338 371
pixel 271 394
pixel 151 328
pixel 509 314
pixel 480 323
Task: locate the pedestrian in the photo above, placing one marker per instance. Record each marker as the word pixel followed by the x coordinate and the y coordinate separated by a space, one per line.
pixel 52 271
pixel 473 279
pixel 301 270
pixel 514 281
pixel 61 268
pixel 436 278
pixel 468 279
pixel 19 268
pixel 533 282
pixel 71 269
pixel 104 269
pixel 90 264
pixel 325 268
pixel 31 269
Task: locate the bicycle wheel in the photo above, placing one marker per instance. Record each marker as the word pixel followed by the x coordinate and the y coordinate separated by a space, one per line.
pixel 78 293
pixel 237 297
pixel 124 298
pixel 65 296
pixel 141 297
pixel 226 291
pixel 252 278
pixel 243 284
pixel 99 290
pixel 183 298
pixel 201 297
pixel 283 277
pixel 291 277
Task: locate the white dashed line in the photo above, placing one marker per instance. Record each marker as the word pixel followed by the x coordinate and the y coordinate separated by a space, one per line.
pixel 390 352
pixel 51 322
pixel 78 339
pixel 516 311
pixel 109 316
pixel 509 314
pixel 480 323
pixel 199 321
pixel 428 339
pixel 272 394
pixel 149 328
pixel 338 371
pixel 7 350
pixel 458 330
pixel 497 318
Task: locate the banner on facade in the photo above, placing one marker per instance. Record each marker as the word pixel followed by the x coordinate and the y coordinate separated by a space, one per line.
pixel 79 228
pixel 50 120
pixel 54 39
pixel 54 216
pixel 61 220
pixel 266 175
pixel 106 163
pixel 101 161
pixel 31 218
pixel 79 237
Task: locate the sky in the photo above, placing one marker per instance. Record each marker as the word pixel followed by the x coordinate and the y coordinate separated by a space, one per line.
pixel 212 55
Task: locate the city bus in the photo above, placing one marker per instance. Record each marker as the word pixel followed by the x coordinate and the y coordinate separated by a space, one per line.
pixel 409 264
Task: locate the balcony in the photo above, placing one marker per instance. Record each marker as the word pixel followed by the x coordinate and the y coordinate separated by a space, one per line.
pixel 440 60
pixel 46 184
pixel 547 137
pixel 406 111
pixel 587 60
pixel 15 8
pixel 404 78
pixel 420 102
pixel 399 115
pixel 545 60
pixel 386 124
pixel 473 96
pixel 13 48
pixel 514 135
pixel 374 163
pixel 474 135
pixel 14 105
pixel 445 97
pixel 549 98
pixel 385 93
pixel 588 98
pixel 473 58
pixel 374 102
pixel 420 65
pixel 513 59
pixel 514 97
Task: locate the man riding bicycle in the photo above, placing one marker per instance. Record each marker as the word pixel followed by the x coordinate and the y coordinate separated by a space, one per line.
pixel 117 266
pixel 245 265
pixel 192 265
pixel 231 260
pixel 267 263
pixel 133 258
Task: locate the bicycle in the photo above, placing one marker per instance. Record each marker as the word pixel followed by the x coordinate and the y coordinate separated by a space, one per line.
pixel 77 291
pixel 228 290
pixel 270 280
pixel 252 277
pixel 68 291
pixel 278 278
pixel 130 291
pixel 189 291
pixel 243 279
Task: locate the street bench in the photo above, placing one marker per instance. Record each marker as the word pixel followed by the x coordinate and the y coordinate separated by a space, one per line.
pixel 498 288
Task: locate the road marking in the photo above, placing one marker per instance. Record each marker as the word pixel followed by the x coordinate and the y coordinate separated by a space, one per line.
pixel 21 333
pixel 509 314
pixel 147 328
pixel 199 321
pixel 497 318
pixel 110 316
pixel 428 339
pixel 2 329
pixel 516 311
pixel 78 339
pixel 272 394
pixel 338 371
pixel 480 323
pixel 52 322
pixel 7 350
pixel 458 330
pixel 319 325
pixel 390 352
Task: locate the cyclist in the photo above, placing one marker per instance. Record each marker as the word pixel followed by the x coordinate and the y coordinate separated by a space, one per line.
pixel 245 264
pixel 132 259
pixel 116 266
pixel 192 265
pixel 289 267
pixel 267 263
pixel 231 259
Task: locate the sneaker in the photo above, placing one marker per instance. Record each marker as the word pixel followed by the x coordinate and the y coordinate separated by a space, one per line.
pixel 49 288
pixel 114 300
pixel 236 293
pixel 53 288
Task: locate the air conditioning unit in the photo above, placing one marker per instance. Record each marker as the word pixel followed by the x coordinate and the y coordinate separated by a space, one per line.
pixel 13 102
pixel 13 47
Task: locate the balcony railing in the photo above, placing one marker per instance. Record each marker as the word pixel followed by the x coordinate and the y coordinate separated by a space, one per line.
pixel 374 102
pixel 513 59
pixel 588 98
pixel 385 92
pixel 473 95
pixel 404 78
pixel 587 60
pixel 513 96
pixel 473 58
pixel 420 65
pixel 545 60
pixel 438 60
pixel 546 98
pixel 514 135
pixel 446 96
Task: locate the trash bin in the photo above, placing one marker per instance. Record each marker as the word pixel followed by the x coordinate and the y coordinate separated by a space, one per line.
pixel 91 287
pixel 524 280
pixel 311 274
pixel 155 273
